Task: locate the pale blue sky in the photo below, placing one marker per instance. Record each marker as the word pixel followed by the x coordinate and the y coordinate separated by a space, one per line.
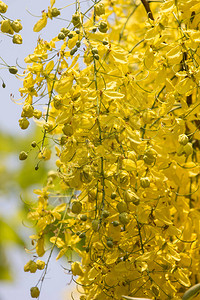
pixel 55 285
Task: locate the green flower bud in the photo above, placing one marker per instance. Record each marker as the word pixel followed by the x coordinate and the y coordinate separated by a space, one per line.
pixel 78 44
pixel 68 130
pixel 55 12
pixel 95 225
pixel 145 182
pixel 121 207
pixel 113 195
pixel 99 9
pixel 109 244
pixel 70 35
pixel 73 51
pixel 16 26
pixel 76 207
pixel 65 31
pixel 183 139
pixel 35 292
pixel 33 144
pixel 13 70
pixel 94 51
pixel 23 155
pixel 115 223
pixel 188 149
pixel 76 21
pixel 124 218
pixel 105 42
pixel 82 235
pixel 83 218
pixel 103 27
pixel 105 214
pixel 61 36
pixel 96 56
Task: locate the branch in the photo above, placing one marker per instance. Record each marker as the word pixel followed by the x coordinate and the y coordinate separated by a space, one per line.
pixel 148 10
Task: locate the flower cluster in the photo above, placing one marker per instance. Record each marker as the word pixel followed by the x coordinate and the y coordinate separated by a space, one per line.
pixel 123 111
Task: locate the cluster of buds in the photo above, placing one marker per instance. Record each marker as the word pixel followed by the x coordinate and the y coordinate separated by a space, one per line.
pixel 11 27
pixel 33 266
pixel 185 147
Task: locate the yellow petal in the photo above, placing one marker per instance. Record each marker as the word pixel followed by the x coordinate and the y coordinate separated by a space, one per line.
pixel 41 23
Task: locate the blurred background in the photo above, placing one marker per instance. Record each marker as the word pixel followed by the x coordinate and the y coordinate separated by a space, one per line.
pixel 17 178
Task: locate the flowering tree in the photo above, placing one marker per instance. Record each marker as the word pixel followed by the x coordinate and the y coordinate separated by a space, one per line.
pixel 119 86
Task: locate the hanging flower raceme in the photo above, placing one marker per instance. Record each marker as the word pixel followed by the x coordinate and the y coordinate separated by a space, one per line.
pixel 124 117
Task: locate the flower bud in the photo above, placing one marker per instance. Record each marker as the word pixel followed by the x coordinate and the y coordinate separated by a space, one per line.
pixel 55 12
pixel 65 31
pixel 17 39
pixel 105 42
pixel 31 266
pixel 109 244
pixel 183 139
pixel 76 20
pixel 27 111
pixel 68 130
pixel 70 35
pixel 96 56
pixel 121 207
pixel 73 51
pixel 124 218
pixel 78 44
pixel 115 223
pixel 3 7
pixel 83 218
pixel 23 123
pixel 103 27
pixel 40 264
pixel 188 149
pixel 61 36
pixel 16 26
pixel 37 114
pixel 13 70
pixel 76 207
pixel 57 102
pixel 145 182
pixel 105 214
pixel 23 155
pixel 113 195
pixel 35 292
pixel 95 225
pixel 82 235
pixel 149 156
pixel 94 51
pixel 6 26
pixel 99 9
pixel 33 144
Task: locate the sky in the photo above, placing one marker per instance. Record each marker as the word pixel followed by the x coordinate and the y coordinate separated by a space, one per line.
pixel 55 285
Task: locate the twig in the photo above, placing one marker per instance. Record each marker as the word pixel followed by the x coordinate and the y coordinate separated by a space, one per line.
pixel 148 10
